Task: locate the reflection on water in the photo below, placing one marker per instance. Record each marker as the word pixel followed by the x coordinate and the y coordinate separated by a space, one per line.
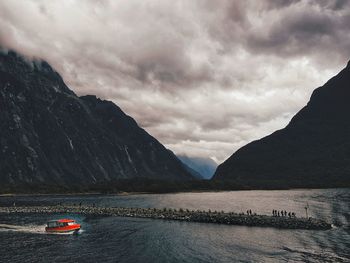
pixel 112 239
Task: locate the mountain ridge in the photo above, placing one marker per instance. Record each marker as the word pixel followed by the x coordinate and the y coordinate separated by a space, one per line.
pixel 49 135
pixel 311 151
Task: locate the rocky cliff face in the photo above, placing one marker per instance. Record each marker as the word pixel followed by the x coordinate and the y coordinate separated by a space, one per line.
pixel 48 135
pixel 312 151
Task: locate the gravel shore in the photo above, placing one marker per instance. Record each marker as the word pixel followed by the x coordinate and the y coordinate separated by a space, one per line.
pixel 228 218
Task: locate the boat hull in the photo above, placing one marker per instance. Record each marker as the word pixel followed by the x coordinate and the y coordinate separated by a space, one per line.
pixel 65 229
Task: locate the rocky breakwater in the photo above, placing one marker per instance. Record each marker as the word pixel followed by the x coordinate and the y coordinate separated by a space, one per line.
pixel 228 218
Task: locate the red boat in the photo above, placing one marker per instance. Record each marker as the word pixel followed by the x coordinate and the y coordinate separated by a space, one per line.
pixel 62 226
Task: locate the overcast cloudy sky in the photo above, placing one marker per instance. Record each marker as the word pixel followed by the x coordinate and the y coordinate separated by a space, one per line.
pixel 203 77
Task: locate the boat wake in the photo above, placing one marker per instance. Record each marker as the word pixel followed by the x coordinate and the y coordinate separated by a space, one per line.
pixel 32 229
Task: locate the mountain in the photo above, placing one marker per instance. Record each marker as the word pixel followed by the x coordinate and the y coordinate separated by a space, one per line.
pixel 204 167
pixel 50 136
pixel 312 151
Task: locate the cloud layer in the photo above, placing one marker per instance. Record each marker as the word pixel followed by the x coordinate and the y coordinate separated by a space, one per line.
pixel 204 77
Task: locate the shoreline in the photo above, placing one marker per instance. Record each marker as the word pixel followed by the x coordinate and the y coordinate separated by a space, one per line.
pixel 124 193
pixel 213 217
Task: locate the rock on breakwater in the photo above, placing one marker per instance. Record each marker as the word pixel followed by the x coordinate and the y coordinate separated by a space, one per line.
pixel 228 218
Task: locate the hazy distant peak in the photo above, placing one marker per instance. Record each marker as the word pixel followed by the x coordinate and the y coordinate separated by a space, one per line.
pixel 204 166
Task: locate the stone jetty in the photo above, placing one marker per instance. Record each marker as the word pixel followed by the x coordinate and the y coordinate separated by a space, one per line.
pixel 227 218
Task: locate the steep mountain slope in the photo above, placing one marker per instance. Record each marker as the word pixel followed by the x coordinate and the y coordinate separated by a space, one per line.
pixel 312 151
pixel 205 167
pixel 50 136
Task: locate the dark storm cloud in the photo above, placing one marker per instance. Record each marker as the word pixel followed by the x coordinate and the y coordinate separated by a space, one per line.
pixel 303 32
pixel 204 77
pixel 277 4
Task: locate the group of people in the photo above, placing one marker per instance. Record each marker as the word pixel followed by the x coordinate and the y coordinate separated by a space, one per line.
pixel 282 213
pixel 250 213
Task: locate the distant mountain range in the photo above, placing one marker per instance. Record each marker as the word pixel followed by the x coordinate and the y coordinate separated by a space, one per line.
pixel 204 167
pixel 52 139
pixel 312 151
pixel 50 136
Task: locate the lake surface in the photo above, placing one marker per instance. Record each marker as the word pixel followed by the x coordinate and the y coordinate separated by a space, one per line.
pixel 113 239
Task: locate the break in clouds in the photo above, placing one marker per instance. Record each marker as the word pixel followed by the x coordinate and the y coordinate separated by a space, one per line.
pixel 203 77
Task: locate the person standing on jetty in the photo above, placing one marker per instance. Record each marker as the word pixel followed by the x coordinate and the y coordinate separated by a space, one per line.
pixel 282 213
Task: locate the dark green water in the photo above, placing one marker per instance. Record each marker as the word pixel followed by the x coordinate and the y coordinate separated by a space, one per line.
pixel 113 239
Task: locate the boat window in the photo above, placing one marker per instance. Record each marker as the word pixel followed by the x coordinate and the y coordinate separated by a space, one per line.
pixel 71 223
pixel 52 224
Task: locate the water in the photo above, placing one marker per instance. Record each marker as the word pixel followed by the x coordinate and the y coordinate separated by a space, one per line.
pixel 113 239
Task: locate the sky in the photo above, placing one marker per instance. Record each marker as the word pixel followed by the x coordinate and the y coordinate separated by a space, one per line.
pixel 203 77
